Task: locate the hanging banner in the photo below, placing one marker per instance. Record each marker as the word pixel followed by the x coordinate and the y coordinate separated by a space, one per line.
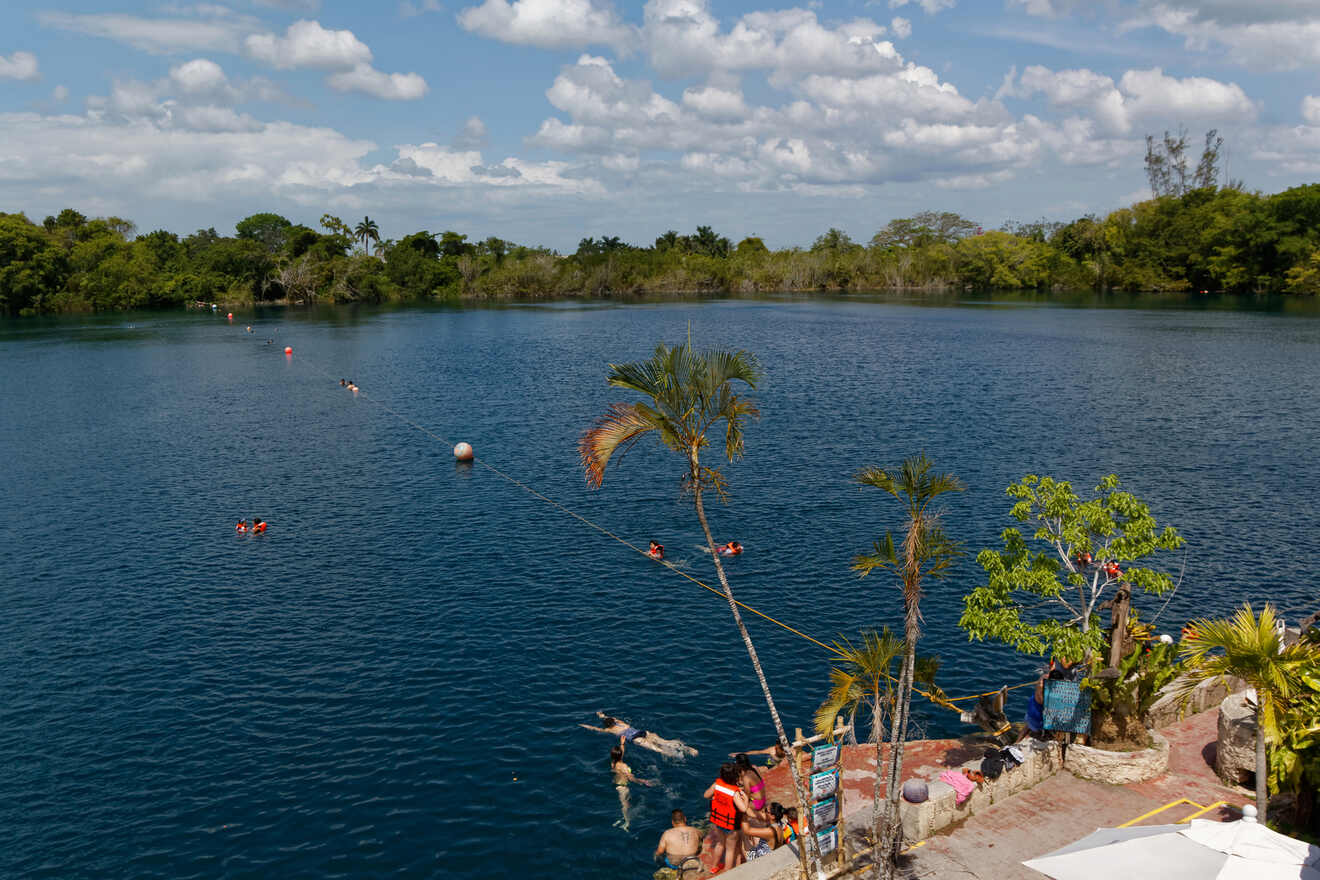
pixel 825 812
pixel 1067 707
pixel 824 784
pixel 824 757
pixel 828 839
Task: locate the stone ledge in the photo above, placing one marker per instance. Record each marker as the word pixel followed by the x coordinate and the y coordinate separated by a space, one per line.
pixel 920 821
pixel 1119 768
pixel 1169 709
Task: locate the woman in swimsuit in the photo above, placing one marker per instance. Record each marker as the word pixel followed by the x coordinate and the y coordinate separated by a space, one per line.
pixel 622 776
pixel 757 832
pixel 670 748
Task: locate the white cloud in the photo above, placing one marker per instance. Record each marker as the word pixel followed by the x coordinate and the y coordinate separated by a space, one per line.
pixel 549 24
pixel 683 37
pixel 1311 109
pixel 716 103
pixel 213 28
pixel 1152 95
pixel 60 94
pixel 901 27
pixel 200 76
pixel 20 65
pixel 308 44
pixel 930 7
pixel 1076 89
pixel 369 81
pixel 408 9
pixel 211 118
pixel 1261 35
pixel 472 135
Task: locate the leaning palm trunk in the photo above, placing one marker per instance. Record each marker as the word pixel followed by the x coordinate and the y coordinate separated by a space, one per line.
pixel 1262 780
pixel 809 853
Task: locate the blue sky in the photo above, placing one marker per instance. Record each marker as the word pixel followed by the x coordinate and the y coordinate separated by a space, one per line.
pixel 543 121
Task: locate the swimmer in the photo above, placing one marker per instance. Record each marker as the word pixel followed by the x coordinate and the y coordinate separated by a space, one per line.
pixel 343 383
pixel 249 328
pixel 733 548
pixel 679 845
pixel 670 748
pixel 242 526
pixel 258 526
pixel 657 551
pixel 622 776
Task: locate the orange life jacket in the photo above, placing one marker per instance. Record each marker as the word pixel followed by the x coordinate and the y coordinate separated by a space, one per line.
pixel 241 527
pixel 723 811
pixel 259 527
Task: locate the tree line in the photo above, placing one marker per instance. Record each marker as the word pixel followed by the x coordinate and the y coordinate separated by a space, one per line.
pixel 1193 235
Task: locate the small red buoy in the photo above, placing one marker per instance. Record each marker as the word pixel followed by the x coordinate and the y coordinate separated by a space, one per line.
pixel 288 349
pixel 463 452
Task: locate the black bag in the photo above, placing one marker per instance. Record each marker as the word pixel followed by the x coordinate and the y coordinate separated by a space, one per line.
pixel 992 765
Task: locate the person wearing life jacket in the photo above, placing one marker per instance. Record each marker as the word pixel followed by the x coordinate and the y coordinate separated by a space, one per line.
pixel 258 526
pixel 242 527
pixel 657 551
pixel 1083 560
pixel 733 548
pixel 1112 570
pixel 727 804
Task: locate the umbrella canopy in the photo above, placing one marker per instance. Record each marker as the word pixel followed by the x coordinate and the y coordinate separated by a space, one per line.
pixel 1203 850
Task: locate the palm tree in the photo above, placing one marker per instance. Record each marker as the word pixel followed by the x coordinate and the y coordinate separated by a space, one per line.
pixel 1253 651
pixel 688 395
pixel 926 553
pixel 367 230
pixel 862 677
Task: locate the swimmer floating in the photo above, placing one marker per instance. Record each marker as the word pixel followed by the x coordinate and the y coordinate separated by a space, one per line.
pixel 671 748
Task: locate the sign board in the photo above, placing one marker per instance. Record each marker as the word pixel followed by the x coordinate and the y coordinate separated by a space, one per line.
pixel 824 757
pixel 825 812
pixel 824 784
pixel 1067 707
pixel 828 839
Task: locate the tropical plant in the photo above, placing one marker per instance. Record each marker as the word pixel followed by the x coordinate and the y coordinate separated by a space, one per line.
pixel 688 395
pixel 1251 648
pixel 1121 696
pixel 1084 542
pixel 925 554
pixel 367 230
pixel 863 678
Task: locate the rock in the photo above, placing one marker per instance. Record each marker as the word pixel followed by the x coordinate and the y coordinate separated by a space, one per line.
pixel 1119 768
pixel 1235 755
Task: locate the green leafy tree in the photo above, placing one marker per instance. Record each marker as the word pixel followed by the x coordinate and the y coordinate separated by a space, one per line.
pixel 688 396
pixel 271 231
pixel 751 246
pixel 834 241
pixel 925 554
pixel 1250 648
pixel 32 266
pixel 1112 529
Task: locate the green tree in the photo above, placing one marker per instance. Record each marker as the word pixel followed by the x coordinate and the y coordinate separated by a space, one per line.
pixel 862 677
pixel 926 553
pixel 689 395
pixel 1250 648
pixel 752 245
pixel 1083 543
pixel 834 241
pixel 32 266
pixel 271 231
pixel 367 231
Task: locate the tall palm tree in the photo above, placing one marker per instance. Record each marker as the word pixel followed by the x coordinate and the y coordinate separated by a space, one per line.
pixel 367 230
pixel 1253 651
pixel 926 553
pixel 688 394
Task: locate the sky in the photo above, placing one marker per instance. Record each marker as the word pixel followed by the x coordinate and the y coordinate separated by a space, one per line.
pixel 545 121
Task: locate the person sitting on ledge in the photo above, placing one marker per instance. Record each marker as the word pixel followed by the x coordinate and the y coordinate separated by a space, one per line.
pixel 679 845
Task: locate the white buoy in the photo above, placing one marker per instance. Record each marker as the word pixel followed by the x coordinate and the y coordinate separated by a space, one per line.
pixel 1166 639
pixel 463 452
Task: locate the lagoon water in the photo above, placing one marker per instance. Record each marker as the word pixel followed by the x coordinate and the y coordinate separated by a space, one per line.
pixel 389 682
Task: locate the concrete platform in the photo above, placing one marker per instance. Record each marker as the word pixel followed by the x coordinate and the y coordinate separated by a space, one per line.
pixel 1059 809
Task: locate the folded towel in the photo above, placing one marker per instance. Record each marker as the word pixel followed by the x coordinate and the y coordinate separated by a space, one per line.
pixel 962 786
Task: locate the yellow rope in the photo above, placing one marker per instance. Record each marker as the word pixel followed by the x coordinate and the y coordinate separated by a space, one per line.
pixel 946 702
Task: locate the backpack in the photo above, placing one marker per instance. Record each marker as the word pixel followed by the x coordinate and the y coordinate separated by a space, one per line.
pixel 992 765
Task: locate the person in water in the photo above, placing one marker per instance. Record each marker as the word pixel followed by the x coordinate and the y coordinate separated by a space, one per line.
pixel 774 754
pixel 242 526
pixel 727 803
pixel 657 551
pixel 622 776
pixel 733 548
pixel 679 845
pixel 671 748
pixel 258 525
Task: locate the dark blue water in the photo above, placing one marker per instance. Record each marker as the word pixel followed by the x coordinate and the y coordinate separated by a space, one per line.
pixel 389 681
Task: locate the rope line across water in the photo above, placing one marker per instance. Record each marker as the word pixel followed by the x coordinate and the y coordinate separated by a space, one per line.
pixel 940 700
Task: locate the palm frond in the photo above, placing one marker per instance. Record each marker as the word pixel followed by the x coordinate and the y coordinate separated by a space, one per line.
pixel 622 425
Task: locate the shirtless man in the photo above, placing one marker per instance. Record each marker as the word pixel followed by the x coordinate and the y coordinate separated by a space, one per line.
pixel 679 843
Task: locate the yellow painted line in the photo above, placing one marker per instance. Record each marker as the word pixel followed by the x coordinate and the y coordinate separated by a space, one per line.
pixel 1158 810
pixel 1204 810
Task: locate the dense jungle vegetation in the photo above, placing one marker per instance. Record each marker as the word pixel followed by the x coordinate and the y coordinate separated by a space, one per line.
pixel 1192 235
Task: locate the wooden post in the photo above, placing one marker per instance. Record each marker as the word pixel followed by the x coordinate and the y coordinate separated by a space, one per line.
pixel 1119 624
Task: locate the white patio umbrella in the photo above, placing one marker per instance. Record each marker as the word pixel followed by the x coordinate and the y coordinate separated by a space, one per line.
pixel 1203 850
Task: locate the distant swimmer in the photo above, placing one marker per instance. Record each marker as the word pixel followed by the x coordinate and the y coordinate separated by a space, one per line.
pixel 258 526
pixel 242 527
pixel 343 383
pixel 671 748
pixel 733 548
pixel 622 776
pixel 657 551
pixel 249 328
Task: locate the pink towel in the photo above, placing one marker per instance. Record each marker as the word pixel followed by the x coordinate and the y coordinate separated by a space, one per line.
pixel 962 786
